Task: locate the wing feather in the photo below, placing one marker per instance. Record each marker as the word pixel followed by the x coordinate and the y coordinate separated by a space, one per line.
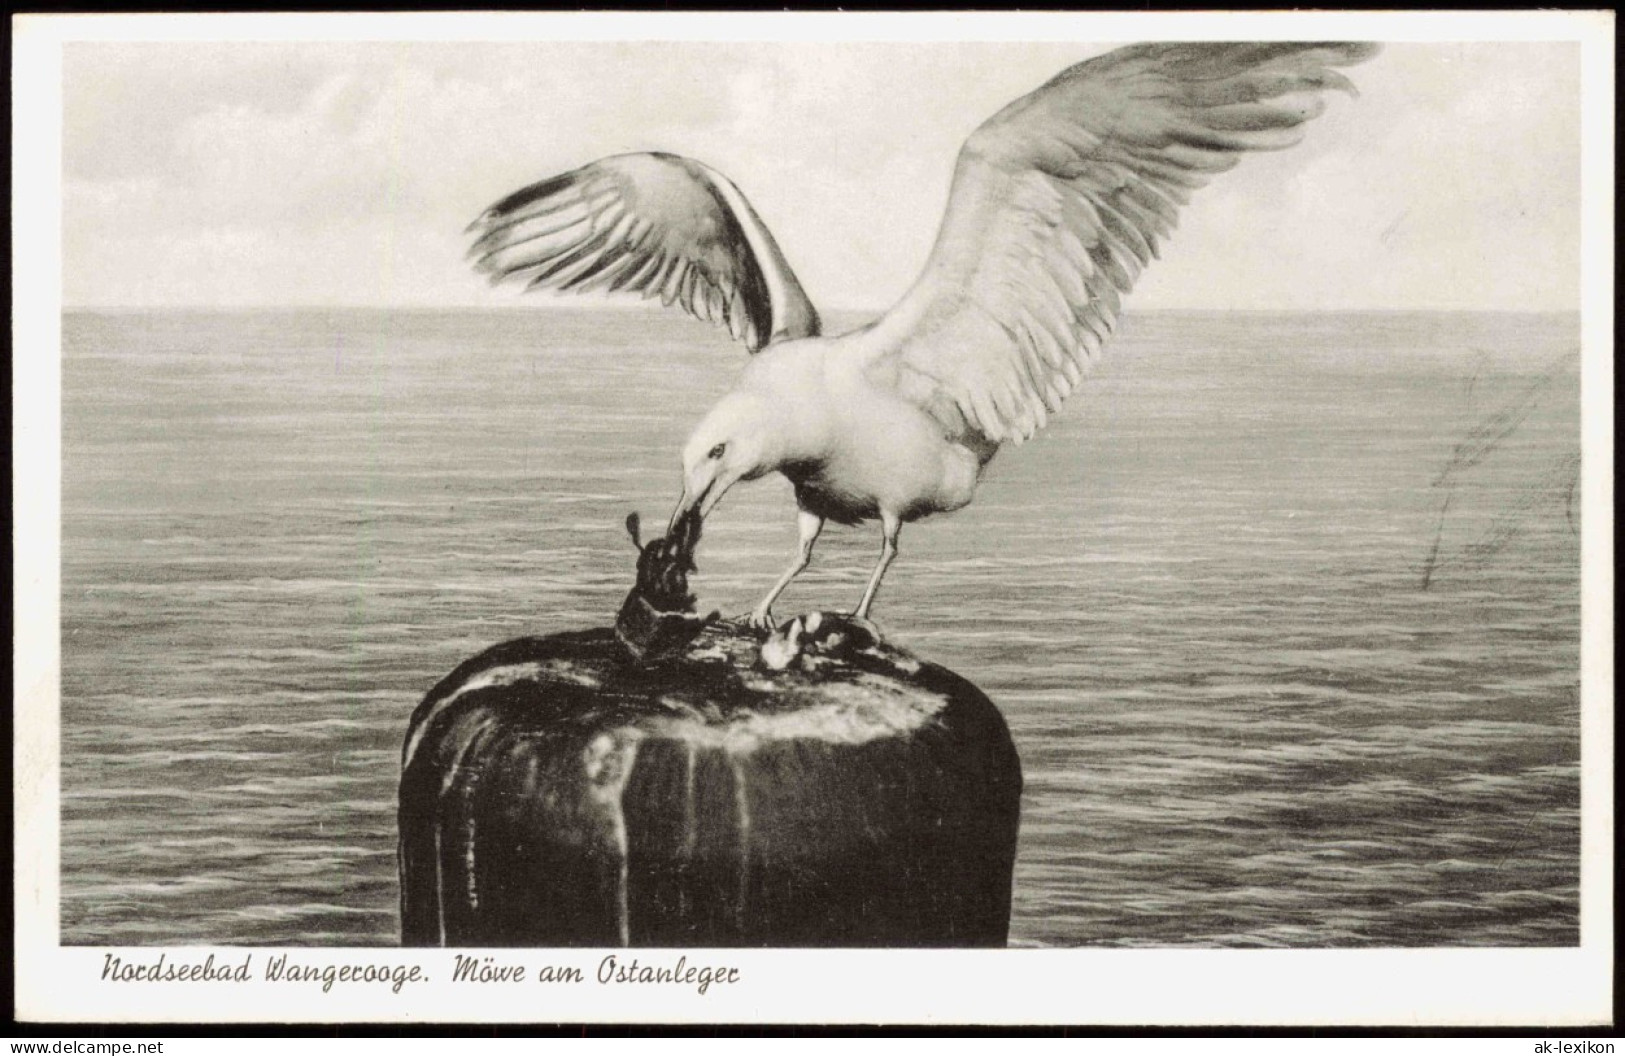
pixel 673 283
pixel 637 278
pixel 654 224
pixel 1060 200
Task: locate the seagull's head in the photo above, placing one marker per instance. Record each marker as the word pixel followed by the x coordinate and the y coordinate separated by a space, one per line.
pixel 733 443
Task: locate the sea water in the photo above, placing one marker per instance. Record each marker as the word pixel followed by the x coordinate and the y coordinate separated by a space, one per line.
pixel 1283 609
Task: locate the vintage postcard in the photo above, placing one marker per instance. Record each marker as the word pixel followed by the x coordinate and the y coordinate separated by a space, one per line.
pixel 814 518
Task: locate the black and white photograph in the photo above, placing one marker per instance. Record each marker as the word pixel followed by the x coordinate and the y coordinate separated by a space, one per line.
pixel 589 502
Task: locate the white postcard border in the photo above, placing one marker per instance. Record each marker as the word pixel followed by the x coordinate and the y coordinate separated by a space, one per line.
pixel 1302 987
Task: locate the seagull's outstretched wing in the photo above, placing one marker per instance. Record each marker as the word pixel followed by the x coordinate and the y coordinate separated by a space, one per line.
pixel 1059 201
pixel 655 224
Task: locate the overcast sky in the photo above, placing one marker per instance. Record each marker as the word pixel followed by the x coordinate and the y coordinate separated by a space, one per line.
pixel 301 174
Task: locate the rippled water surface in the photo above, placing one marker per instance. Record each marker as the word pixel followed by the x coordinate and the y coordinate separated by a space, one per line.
pixel 1283 610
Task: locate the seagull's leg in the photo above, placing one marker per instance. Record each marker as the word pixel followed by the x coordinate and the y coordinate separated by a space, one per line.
pixel 810 524
pixel 890 525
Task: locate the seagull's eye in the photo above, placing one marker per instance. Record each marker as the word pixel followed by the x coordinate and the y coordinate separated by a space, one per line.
pixel 716 452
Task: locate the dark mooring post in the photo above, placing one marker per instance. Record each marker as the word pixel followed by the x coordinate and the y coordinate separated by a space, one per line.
pixel 678 782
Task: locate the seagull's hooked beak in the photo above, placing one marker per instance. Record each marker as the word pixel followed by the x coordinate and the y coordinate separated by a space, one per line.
pixel 704 487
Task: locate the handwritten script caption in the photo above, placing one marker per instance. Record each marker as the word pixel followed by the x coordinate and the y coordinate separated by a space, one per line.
pixel 611 970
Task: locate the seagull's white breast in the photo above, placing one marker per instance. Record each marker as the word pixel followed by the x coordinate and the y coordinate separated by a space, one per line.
pixel 875 452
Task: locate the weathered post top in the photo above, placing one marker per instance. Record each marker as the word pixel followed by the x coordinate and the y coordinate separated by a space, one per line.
pixel 679 781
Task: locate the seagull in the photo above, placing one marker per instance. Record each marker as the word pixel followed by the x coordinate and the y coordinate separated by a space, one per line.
pixel 1058 202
